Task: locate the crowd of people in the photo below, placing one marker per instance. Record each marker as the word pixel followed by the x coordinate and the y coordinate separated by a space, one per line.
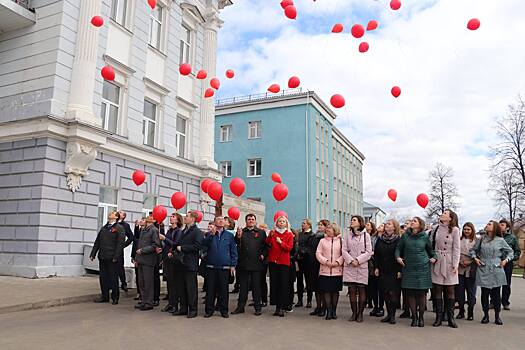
pixel 379 265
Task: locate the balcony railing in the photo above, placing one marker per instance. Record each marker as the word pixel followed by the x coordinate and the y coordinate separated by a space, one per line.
pixel 24 3
pixel 259 97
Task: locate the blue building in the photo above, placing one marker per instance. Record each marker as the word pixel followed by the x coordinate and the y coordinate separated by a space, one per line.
pixel 293 134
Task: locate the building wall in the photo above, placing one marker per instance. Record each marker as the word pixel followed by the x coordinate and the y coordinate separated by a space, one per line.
pixel 45 226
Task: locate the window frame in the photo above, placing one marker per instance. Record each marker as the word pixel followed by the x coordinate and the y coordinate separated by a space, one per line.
pixel 228 138
pixel 228 164
pixel 146 211
pixel 107 207
pixel 186 48
pixel 161 23
pixel 178 134
pixel 255 160
pixel 113 12
pixel 258 129
pixel 108 104
pixel 146 122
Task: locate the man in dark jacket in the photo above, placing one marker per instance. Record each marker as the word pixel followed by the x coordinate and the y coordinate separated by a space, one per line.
pixel 303 256
pixel 189 245
pixel 253 251
pixel 129 240
pixel 109 245
pixel 512 241
pixel 146 259
pixel 139 226
pixel 221 261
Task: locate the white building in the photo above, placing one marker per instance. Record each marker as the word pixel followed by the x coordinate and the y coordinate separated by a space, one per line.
pixel 69 141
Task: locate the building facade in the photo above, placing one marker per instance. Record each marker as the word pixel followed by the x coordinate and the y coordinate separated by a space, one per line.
pixel 293 134
pixel 372 213
pixel 69 141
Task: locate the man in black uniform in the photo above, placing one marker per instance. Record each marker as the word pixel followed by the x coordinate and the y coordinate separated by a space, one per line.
pixel 146 259
pixel 129 240
pixel 253 250
pixel 109 245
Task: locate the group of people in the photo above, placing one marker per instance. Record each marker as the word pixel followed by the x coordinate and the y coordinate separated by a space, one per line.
pixel 378 265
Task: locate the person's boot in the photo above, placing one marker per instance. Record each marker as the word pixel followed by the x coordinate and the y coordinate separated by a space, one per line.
pixel 380 312
pixel 421 319
pixel 359 317
pixel 450 312
pixel 315 312
pixel 353 306
pixel 405 314
pixel 497 320
pixel 334 315
pixel 373 312
pixel 328 313
pixel 485 318
pixel 470 313
pixel 439 313
pixel 414 321
pixel 388 313
pixel 461 313
pixel 393 315
pixel 322 312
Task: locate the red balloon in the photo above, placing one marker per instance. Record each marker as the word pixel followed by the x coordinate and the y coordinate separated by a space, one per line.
pixel 237 186
pixel 159 213
pixel 395 5
pixel 202 74
pixel 108 73
pixel 138 177
pixel 152 4
pixel 396 91
pixel 234 213
pixel 280 192
pixel 97 21
pixel 209 92
pixel 363 47
pixel 185 69
pixel 215 83
pixel 230 73
pixel 372 25
pixel 286 3
pixel 275 88
pixel 337 28
pixel 279 213
pixel 290 11
pixel 276 178
pixel 200 215
pixel 473 24
pixel 205 184
pixel 422 200
pixel 294 82
pixel 337 101
pixel 358 31
pixel 215 191
pixel 178 200
pixel 392 194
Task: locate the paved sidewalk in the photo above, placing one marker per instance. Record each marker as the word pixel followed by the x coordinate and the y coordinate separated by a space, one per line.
pixel 27 294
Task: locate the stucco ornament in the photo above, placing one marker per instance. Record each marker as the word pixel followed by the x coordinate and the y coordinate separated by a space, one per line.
pixel 78 158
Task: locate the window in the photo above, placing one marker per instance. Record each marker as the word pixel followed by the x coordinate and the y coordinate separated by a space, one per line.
pixel 149 202
pixel 180 138
pixel 110 106
pixel 226 168
pixel 118 11
pixel 107 202
pixel 149 124
pixel 185 45
pixel 254 167
pixel 254 130
pixel 155 27
pixel 226 133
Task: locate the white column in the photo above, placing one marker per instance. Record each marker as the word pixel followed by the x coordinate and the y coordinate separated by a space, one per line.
pixel 80 106
pixel 207 115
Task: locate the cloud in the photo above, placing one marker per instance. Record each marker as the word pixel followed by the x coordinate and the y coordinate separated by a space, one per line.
pixel 454 83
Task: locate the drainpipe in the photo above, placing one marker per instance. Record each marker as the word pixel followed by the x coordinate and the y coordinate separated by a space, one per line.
pixel 307 144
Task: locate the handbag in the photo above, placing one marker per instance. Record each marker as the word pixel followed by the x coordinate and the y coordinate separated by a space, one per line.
pixel 177 257
pixel 521 261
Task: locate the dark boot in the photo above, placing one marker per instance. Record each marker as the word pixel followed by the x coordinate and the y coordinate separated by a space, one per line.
pixel 380 312
pixel 360 312
pixel 334 315
pixel 315 312
pixel 388 313
pixel 421 320
pixel 450 312
pixel 322 312
pixel 328 313
pixel 485 318
pixel 414 321
pixel 461 313
pixel 439 313
pixel 405 314
pixel 353 305
pixel 393 315
pixel 497 320
pixel 470 313
pixel 445 308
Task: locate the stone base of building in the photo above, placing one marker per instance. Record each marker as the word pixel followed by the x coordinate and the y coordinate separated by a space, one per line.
pixel 42 271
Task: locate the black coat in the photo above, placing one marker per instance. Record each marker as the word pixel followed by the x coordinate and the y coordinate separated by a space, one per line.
pixel 304 250
pixel 128 232
pixel 251 246
pixel 385 261
pixel 148 243
pixel 136 237
pixel 190 243
pixel 168 245
pixel 109 243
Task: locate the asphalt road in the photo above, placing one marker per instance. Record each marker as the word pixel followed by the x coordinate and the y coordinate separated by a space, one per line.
pixel 96 326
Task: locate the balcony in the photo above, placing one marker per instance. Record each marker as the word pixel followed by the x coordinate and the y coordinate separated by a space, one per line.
pixel 15 14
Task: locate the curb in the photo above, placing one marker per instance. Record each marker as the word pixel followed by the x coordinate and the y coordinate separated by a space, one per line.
pixel 48 303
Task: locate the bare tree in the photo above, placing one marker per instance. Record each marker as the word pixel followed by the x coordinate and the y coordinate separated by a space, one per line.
pixel 443 191
pixel 507 191
pixel 509 154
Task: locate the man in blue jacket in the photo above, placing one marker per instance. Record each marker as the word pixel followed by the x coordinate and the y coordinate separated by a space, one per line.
pixel 221 262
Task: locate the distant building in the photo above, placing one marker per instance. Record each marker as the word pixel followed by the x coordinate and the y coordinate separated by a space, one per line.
pixel 373 213
pixel 292 133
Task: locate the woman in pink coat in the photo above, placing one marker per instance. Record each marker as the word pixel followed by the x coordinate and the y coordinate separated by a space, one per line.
pixel 330 257
pixel 357 250
pixel 446 243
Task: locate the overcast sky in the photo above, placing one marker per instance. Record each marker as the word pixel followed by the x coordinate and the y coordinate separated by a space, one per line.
pixel 454 83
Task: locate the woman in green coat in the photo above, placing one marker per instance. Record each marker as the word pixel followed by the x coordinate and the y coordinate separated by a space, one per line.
pixel 414 252
pixel 491 253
